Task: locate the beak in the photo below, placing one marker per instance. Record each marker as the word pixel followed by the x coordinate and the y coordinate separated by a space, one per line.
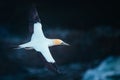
pixel 63 43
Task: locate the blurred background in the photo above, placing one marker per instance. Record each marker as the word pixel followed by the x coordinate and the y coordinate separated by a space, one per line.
pixel 90 27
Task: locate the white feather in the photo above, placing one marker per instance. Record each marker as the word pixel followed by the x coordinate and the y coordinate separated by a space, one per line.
pixel 40 43
pixel 38 33
pixel 45 52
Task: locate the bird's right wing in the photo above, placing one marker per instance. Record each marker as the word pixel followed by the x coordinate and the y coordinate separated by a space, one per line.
pixel 33 17
pixel 37 32
pixel 35 24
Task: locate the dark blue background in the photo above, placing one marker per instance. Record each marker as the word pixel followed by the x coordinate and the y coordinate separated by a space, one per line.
pixel 90 27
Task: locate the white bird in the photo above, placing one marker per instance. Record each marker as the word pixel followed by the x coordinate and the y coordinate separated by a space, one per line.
pixel 40 43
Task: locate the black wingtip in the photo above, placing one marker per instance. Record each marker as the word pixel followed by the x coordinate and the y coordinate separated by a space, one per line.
pixel 53 67
pixel 34 17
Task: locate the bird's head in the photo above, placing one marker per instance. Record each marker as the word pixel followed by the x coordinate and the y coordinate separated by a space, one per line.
pixel 59 42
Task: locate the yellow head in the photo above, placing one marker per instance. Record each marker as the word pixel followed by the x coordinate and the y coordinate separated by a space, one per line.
pixel 59 42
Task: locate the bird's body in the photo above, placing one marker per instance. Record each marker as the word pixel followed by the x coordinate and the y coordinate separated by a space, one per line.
pixel 40 43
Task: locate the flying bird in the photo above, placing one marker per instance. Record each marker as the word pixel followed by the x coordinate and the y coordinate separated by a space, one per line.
pixel 40 43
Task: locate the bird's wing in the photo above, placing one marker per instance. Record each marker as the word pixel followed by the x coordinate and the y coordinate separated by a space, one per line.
pixel 47 58
pixel 33 17
pixel 35 24
pixel 37 33
pixel 45 52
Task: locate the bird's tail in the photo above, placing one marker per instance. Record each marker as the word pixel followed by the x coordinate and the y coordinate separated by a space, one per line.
pixel 18 47
pixel 21 46
pixel 15 46
pixel 26 46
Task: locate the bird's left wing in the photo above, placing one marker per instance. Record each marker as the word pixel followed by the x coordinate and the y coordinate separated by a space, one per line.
pixel 45 52
pixel 47 58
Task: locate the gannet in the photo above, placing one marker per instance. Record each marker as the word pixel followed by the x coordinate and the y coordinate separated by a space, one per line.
pixel 40 43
